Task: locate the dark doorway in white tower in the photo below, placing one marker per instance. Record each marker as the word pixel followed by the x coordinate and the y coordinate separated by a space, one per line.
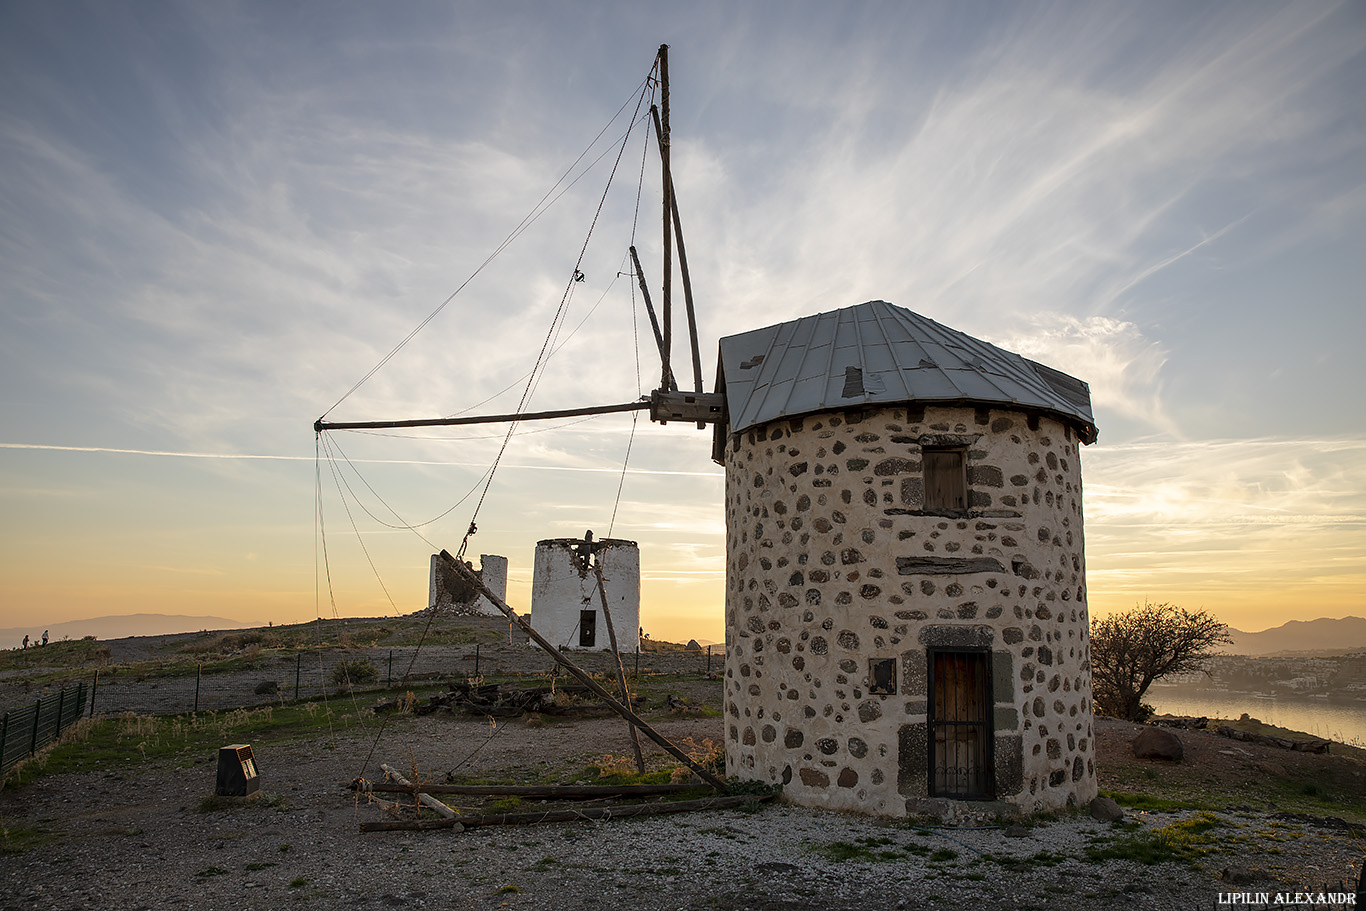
pixel 961 735
pixel 588 628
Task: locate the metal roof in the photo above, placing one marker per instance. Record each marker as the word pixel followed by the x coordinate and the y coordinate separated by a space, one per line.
pixel 877 353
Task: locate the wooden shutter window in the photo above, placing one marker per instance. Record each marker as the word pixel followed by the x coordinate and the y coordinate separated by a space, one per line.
pixel 945 480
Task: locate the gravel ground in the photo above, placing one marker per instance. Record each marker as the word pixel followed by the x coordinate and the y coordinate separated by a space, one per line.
pixel 137 839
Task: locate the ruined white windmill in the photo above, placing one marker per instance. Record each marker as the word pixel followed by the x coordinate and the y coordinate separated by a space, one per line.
pixel 906 619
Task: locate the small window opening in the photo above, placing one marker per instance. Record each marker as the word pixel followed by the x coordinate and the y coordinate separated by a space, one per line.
pixel 946 483
pixel 962 739
pixel 882 676
pixel 588 628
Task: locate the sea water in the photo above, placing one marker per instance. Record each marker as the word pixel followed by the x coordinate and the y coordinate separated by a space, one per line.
pixel 1343 720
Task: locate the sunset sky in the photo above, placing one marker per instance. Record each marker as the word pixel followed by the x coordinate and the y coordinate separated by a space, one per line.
pixel 217 218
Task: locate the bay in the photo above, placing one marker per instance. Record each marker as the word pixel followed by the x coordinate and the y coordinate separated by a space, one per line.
pixel 1342 720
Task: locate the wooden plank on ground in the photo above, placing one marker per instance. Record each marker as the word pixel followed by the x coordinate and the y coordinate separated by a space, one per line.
pixel 625 811
pixel 425 799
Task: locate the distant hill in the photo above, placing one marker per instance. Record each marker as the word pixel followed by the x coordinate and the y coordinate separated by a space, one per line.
pixel 119 627
pixel 1323 636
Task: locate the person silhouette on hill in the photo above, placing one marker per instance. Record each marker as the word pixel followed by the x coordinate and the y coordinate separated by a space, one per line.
pixel 44 637
pixel 25 641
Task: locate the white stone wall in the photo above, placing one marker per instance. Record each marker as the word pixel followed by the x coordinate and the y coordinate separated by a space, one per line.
pixel 448 594
pixel 564 584
pixel 832 561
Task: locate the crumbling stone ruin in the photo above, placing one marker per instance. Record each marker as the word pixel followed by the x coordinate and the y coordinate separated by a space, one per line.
pixel 449 595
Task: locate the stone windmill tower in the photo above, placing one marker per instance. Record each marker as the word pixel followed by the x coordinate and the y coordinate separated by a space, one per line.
pixel 906 621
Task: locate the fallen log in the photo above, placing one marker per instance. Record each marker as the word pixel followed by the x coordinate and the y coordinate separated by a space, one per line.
pixel 625 811
pixel 550 792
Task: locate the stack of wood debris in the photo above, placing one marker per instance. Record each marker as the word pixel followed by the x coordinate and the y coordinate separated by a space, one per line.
pixel 558 803
pixel 500 700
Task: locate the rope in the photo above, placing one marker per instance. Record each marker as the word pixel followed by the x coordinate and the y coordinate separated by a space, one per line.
pixel 466 761
pixel 336 478
pixel 550 335
pixel 548 349
pixel 635 418
pixel 541 207
pixel 413 527
pixel 556 350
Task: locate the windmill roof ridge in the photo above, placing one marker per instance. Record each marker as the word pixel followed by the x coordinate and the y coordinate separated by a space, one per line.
pixel 879 353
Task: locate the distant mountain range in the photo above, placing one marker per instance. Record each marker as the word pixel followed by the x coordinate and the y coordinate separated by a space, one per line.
pixel 118 627
pixel 1323 636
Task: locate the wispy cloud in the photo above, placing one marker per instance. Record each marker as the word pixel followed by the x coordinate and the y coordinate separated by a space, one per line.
pixel 1121 365
pixel 205 248
pixel 1263 527
pixel 514 466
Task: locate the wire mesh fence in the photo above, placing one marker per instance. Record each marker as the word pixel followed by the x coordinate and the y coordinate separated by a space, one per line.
pixel 24 731
pixel 311 674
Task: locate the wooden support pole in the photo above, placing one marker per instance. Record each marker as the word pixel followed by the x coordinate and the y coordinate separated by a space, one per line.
pixel 687 295
pixel 320 425
pixel 426 800
pixel 622 812
pixel 672 201
pixel 668 207
pixel 579 674
pixel 672 384
pixel 621 671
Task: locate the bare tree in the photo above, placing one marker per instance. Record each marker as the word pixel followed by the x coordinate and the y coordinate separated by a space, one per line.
pixel 1130 650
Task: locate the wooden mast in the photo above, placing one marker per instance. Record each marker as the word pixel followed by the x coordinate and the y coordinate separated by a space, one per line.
pixel 666 403
pixel 667 297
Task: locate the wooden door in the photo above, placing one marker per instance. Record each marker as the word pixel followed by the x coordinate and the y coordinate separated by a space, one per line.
pixel 961 735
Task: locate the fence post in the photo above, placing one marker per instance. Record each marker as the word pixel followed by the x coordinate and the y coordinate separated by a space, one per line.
pixel 93 688
pixel 4 735
pixel 298 667
pixel 198 672
pixel 637 660
pixel 391 668
pixel 61 704
pixel 37 716
pixel 709 660
pixel 476 659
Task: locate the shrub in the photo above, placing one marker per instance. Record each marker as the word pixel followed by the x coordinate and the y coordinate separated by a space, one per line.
pixel 353 671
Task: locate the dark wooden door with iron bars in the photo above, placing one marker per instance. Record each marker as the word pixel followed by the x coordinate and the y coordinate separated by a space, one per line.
pixel 960 721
